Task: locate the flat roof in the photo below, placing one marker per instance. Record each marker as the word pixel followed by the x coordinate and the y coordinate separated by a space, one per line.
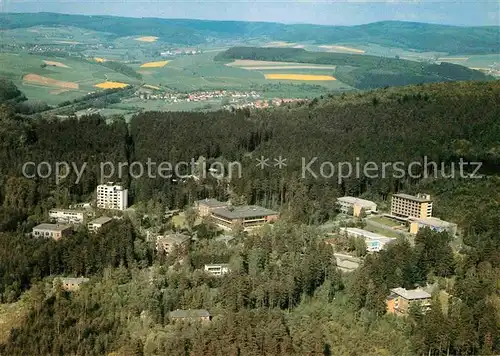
pixel 190 313
pixel 358 201
pixel 212 203
pixel 215 265
pixel 432 222
pixel 67 210
pixel 101 220
pixel 243 211
pixel 412 197
pixel 73 280
pixel 52 227
pixel 367 234
pixel 174 238
pixel 411 293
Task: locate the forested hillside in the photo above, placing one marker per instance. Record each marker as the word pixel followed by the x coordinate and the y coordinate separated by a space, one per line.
pixel 284 295
pixel 407 35
pixel 361 71
pixel 444 122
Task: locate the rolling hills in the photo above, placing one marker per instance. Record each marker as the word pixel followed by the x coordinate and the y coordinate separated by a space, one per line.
pixel 360 71
pixel 408 35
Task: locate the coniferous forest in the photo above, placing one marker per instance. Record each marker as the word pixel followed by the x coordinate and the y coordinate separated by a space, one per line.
pixel 285 294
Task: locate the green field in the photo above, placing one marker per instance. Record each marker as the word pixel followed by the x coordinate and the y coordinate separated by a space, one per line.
pixel 85 73
pixel 25 49
pixel 385 221
pixel 475 61
pixel 201 72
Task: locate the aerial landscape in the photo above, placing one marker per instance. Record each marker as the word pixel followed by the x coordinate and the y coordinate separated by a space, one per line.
pixel 245 182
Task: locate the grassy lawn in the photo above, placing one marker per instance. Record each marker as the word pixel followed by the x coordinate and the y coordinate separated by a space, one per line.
pixel 385 221
pixel 384 232
pixel 179 221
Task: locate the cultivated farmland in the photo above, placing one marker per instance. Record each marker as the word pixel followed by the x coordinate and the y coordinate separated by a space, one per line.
pixel 306 77
pixel 55 64
pixel 343 49
pixel 159 64
pixel 147 39
pixel 45 81
pixel 111 85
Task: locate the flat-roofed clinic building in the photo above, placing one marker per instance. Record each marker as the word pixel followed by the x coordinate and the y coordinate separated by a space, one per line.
pixel 432 223
pixel 112 196
pixel 54 231
pixel 356 204
pixel 405 206
pixel 205 206
pixel 249 216
pixel 400 300
pixel 71 284
pixel 67 216
pixel 217 269
pixel 168 242
pixel 374 242
pixel 190 315
pixel 96 224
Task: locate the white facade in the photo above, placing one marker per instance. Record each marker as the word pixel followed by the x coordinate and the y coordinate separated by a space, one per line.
pixel 54 231
pixel 67 216
pixel 374 242
pixel 110 196
pixel 356 204
pixel 217 269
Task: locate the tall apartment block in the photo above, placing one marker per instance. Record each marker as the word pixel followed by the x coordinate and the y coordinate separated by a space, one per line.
pixel 112 196
pixel 409 206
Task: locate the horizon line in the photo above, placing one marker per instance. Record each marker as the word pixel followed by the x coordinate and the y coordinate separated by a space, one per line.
pixel 247 21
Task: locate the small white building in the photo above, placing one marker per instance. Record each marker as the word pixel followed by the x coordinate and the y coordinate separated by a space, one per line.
pixel 67 216
pixel 97 224
pixel 374 242
pixel 69 283
pixel 345 204
pixel 217 269
pixel 112 196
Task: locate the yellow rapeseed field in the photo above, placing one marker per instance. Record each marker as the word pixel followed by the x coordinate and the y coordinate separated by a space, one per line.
pixel 285 76
pixel 111 85
pixel 147 39
pixel 154 64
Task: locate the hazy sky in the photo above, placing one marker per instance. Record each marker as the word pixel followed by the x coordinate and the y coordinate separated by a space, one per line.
pixel 328 12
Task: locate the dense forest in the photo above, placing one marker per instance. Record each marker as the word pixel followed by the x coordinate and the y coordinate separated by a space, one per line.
pixel 361 71
pixel 407 35
pixel 284 295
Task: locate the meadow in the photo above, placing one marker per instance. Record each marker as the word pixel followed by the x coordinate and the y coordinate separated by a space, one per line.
pixel 84 53
pixel 83 74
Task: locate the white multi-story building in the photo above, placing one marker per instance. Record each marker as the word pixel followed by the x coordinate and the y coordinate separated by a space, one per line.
pixel 409 206
pixel 67 216
pixel 112 196
pixel 217 269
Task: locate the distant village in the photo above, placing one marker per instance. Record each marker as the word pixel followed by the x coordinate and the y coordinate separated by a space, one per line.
pixel 230 98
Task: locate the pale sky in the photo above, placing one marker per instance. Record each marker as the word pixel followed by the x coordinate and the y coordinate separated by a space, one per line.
pixel 326 12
